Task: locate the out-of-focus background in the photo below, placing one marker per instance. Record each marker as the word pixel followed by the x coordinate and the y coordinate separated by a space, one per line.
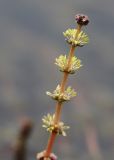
pixel 30 40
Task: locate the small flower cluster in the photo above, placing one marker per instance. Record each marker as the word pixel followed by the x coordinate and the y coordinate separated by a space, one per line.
pixel 41 156
pixel 62 62
pixel 51 127
pixel 80 40
pixel 61 97
pixel 82 19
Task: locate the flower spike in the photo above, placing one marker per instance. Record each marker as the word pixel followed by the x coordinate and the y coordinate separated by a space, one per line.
pixel 68 65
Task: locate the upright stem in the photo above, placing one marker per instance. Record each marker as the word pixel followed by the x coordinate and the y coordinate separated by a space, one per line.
pixel 57 112
pixel 50 144
pixel 59 104
pixel 71 53
pixel 64 80
pixel 78 30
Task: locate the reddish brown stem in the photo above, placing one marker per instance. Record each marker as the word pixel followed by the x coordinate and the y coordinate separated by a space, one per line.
pixel 57 112
pixel 59 104
pixel 64 82
pixel 50 144
pixel 71 53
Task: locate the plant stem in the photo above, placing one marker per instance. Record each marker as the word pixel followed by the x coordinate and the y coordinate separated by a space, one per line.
pixel 50 144
pixel 78 30
pixel 59 104
pixel 57 112
pixel 64 80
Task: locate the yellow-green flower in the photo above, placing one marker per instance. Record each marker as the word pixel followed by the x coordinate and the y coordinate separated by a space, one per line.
pixel 51 127
pixel 71 38
pixel 62 62
pixel 61 97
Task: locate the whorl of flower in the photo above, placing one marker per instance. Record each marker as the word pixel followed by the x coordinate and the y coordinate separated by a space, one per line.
pixel 82 19
pixel 62 62
pixel 61 97
pixel 41 156
pixel 51 127
pixel 71 38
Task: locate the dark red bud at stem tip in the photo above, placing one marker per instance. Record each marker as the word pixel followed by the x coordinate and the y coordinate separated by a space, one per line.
pixel 82 19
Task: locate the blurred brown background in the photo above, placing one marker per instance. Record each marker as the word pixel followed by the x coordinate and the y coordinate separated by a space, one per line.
pixel 30 40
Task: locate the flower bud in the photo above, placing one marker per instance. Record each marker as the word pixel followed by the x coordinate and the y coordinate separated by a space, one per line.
pixel 82 19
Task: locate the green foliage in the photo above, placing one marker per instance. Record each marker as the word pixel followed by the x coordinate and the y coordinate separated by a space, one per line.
pixel 71 38
pixel 62 62
pixel 52 127
pixel 61 97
